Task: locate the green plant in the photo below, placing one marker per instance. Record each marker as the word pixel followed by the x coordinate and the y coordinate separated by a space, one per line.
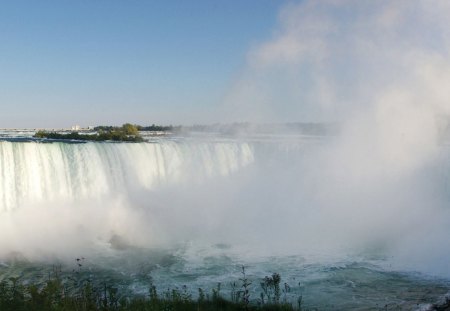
pixel 245 289
pixel 271 288
pixel 80 293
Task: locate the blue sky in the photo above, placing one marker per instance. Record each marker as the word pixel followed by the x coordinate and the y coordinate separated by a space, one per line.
pixel 109 62
pixel 93 62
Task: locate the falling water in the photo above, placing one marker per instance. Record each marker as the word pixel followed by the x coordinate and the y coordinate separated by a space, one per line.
pixel 191 211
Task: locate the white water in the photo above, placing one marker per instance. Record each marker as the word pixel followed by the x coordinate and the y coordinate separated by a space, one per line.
pixel 266 197
pixel 62 199
pixel 33 173
pixel 215 204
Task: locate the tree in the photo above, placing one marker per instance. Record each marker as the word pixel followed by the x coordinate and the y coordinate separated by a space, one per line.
pixel 130 129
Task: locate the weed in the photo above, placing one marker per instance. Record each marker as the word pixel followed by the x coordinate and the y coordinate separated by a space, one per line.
pixel 85 296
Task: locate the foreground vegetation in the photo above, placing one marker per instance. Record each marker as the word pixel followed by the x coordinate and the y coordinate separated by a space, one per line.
pixel 126 132
pixel 74 294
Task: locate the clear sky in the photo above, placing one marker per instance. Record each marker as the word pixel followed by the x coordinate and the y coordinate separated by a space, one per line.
pixel 106 62
pixel 109 61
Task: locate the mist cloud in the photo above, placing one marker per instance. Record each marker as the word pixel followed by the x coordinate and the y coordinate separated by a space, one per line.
pixel 327 59
pixel 381 70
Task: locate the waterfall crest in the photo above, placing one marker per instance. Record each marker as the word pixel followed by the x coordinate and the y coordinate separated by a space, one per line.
pixel 37 172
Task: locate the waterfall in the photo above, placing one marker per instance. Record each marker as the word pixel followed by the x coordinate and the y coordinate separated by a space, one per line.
pixel 297 196
pixel 39 172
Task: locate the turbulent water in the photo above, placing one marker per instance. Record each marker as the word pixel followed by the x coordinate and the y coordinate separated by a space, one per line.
pixel 185 211
pixel 33 172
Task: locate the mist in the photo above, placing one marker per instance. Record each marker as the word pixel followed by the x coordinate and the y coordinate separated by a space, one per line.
pixel 380 70
pixel 380 184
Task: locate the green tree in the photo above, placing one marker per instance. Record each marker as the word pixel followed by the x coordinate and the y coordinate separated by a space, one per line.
pixel 130 129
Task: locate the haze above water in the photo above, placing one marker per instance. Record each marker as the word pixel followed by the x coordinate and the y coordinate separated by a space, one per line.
pixel 188 210
pixel 367 202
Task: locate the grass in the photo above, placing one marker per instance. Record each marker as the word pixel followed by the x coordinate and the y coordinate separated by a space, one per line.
pixel 74 294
